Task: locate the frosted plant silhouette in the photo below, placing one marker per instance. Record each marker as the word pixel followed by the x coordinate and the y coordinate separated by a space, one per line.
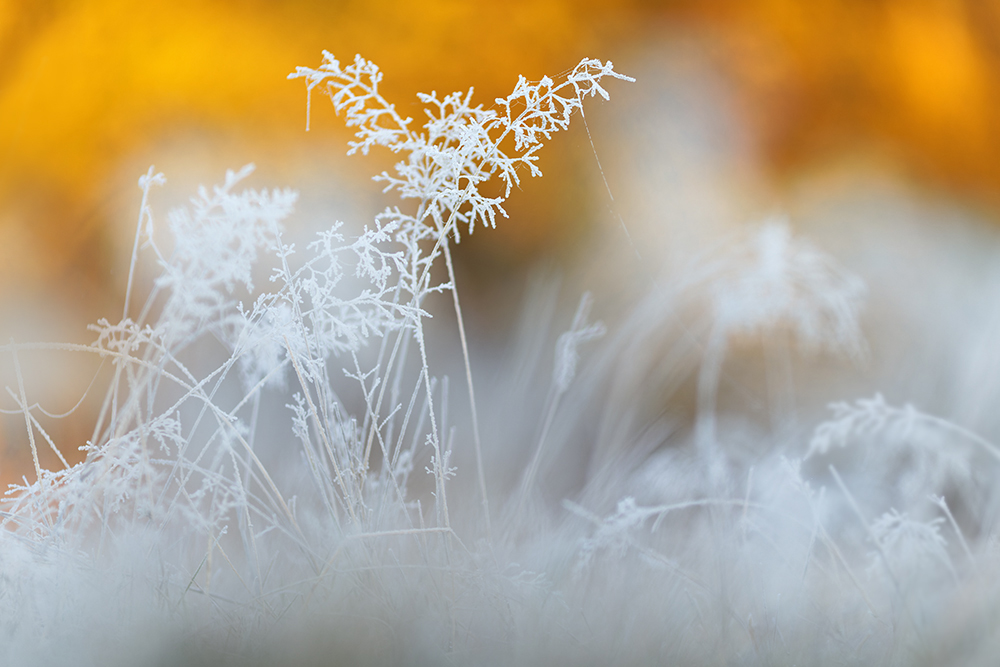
pixel 176 453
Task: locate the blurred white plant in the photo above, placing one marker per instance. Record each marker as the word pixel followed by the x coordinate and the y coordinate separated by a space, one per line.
pixel 866 417
pixel 777 281
pixel 563 371
pixel 767 283
pixel 914 549
pixel 905 453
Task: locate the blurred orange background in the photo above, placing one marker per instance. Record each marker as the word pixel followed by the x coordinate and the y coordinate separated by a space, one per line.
pixel 92 92
pixel 86 85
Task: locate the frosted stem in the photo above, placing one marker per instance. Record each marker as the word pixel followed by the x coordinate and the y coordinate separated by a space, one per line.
pixel 477 442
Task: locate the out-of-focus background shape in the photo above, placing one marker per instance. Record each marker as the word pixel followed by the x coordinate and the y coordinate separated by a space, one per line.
pixel 94 91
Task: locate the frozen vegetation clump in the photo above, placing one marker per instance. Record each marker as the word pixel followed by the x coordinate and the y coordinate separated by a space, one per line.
pixel 274 474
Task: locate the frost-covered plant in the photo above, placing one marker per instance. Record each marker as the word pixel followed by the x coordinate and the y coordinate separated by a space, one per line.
pixel 461 148
pixel 179 452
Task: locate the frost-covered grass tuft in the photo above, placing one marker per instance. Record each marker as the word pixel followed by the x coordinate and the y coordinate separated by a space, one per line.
pixel 278 473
